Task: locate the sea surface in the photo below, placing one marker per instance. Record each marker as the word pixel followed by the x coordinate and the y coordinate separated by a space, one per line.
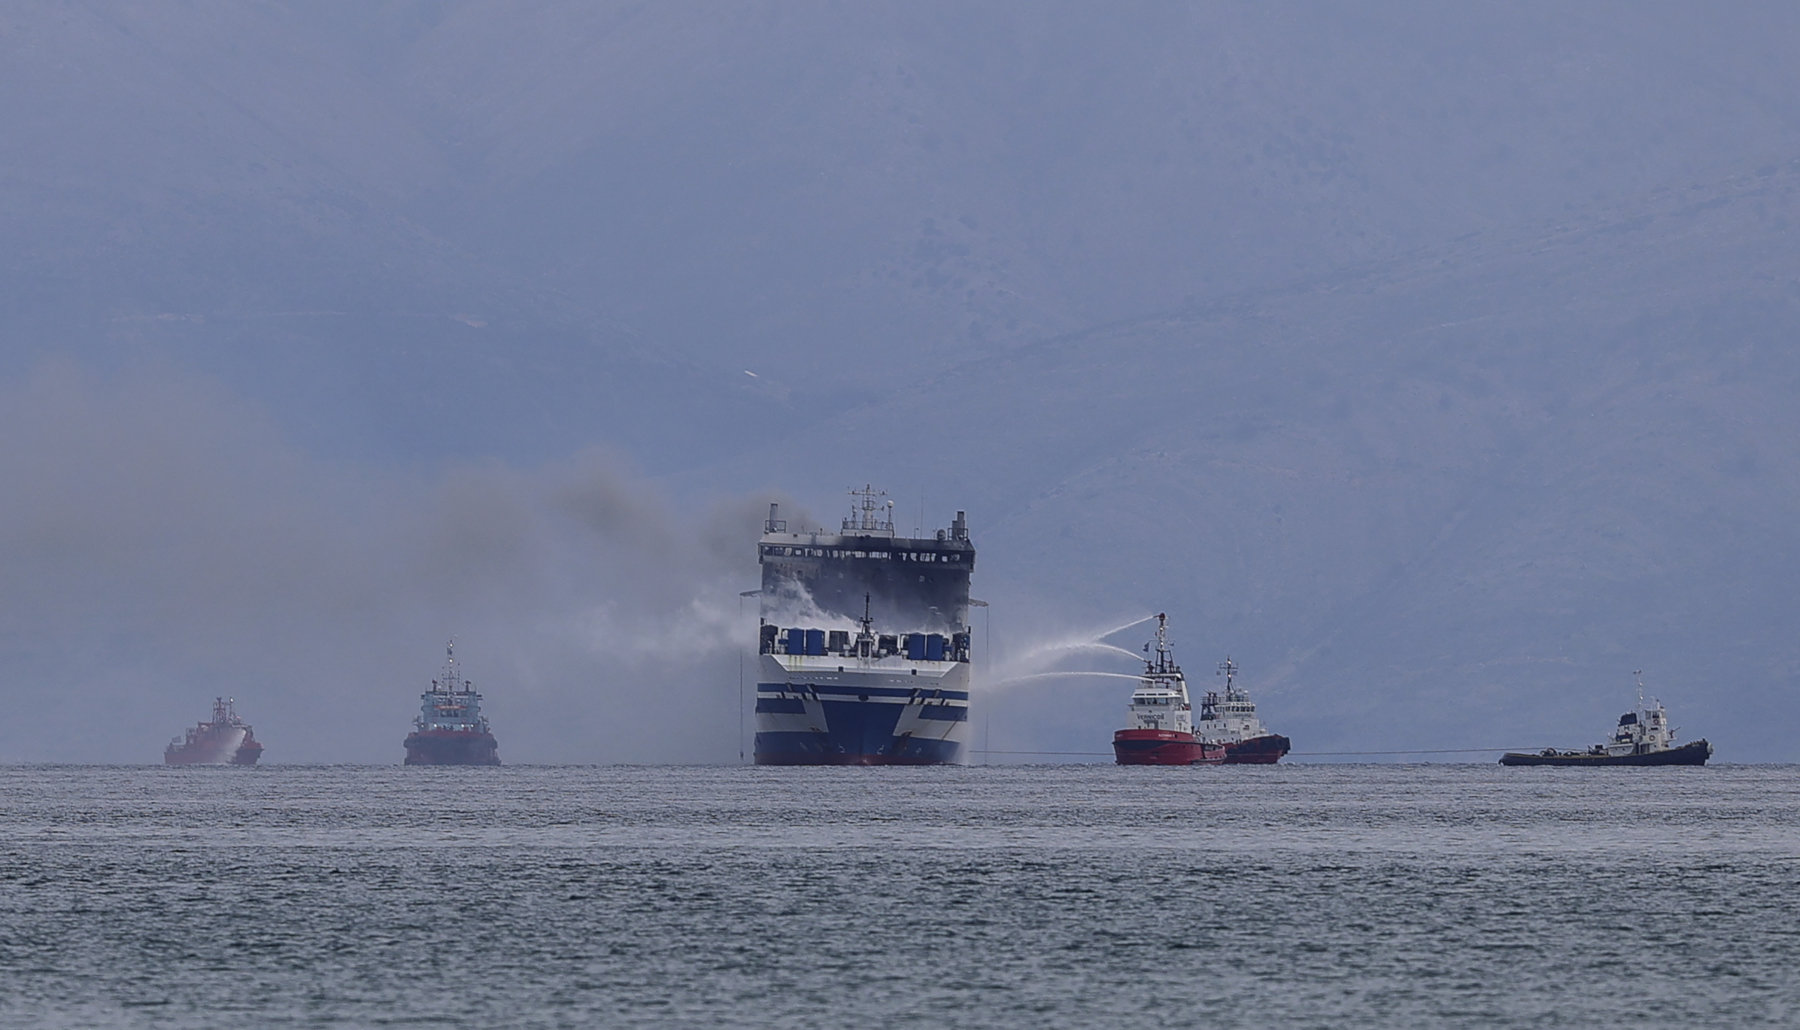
pixel 1090 895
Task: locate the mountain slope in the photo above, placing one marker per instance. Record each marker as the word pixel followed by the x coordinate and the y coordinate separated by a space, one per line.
pixel 1452 499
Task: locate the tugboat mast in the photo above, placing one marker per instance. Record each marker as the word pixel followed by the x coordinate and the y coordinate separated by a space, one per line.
pixel 1164 662
pixel 453 682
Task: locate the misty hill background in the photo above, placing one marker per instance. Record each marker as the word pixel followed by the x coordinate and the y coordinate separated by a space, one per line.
pixel 1436 363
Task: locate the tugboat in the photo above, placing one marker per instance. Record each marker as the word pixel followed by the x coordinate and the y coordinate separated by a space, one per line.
pixel 450 729
pixel 226 740
pixel 1643 737
pixel 1162 719
pixel 1232 721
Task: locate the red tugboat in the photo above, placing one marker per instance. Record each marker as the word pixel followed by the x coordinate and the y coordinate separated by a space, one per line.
pixel 1162 719
pixel 450 729
pixel 226 740
pixel 1232 721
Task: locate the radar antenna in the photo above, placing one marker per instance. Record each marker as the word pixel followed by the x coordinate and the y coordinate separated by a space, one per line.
pixel 870 513
pixel 453 681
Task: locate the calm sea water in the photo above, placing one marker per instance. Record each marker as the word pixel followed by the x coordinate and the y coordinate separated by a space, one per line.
pixel 1343 896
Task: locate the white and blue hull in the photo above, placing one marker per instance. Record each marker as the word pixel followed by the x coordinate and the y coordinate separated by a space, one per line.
pixel 826 710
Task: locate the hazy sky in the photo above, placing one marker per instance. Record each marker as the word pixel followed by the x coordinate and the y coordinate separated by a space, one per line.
pixel 1434 362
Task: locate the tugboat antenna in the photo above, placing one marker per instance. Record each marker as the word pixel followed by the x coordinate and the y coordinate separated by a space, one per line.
pixel 1164 661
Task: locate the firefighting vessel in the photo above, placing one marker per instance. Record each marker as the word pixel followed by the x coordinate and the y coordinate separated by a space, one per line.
pixel 226 740
pixel 863 641
pixel 1231 720
pixel 1162 718
pixel 450 729
pixel 1643 737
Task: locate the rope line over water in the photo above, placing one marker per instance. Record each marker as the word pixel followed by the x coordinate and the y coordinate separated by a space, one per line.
pixel 1305 754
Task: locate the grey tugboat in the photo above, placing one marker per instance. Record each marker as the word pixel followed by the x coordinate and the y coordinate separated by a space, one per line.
pixel 1643 737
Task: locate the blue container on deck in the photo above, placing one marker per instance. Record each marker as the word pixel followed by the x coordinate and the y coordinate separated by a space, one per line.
pixel 934 647
pixel 915 647
pixel 796 641
pixel 815 641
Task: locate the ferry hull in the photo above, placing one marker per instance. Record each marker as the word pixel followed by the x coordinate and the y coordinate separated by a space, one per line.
pixel 451 748
pixel 794 730
pixel 1164 747
pixel 1694 753
pixel 1264 750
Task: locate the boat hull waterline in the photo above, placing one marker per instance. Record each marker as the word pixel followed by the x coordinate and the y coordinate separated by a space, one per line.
pixel 1264 750
pixel 859 725
pixel 1164 747
pixel 451 748
pixel 1693 753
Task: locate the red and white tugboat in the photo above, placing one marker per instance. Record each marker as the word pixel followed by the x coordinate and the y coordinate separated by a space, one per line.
pixel 1231 720
pixel 1162 719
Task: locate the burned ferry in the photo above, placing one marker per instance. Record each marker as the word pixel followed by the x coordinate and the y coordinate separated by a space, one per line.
pixel 863 643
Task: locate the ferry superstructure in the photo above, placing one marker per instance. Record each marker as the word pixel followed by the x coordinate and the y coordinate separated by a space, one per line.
pixel 863 643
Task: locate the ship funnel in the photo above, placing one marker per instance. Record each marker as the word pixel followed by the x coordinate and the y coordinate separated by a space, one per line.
pixel 959 529
pixel 775 523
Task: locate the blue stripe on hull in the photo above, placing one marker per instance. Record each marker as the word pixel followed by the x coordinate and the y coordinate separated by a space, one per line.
pixel 822 689
pixel 855 734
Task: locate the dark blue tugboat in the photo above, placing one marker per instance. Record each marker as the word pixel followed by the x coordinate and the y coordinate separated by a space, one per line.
pixel 1643 737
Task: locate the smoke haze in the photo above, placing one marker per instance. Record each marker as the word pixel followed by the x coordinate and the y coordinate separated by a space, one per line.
pixel 165 543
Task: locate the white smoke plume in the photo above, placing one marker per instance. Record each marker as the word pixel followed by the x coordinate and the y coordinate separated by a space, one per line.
pixel 161 543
